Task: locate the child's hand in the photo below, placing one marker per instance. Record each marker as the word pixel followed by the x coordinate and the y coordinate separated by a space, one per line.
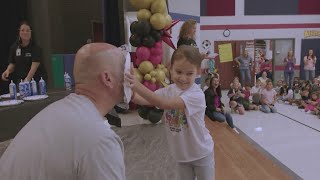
pixel 130 78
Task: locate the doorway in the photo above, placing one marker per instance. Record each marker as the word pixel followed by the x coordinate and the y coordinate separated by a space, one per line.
pixel 275 50
pixel 228 70
pixel 307 44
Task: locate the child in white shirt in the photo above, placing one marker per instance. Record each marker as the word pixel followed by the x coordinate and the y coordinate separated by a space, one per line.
pixel 190 142
pixel 268 98
pixel 256 92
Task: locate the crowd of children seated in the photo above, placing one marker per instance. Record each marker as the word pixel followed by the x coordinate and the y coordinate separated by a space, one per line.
pixel 304 94
pixel 263 96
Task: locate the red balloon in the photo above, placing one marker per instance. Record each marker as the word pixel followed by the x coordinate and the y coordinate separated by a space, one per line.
pixel 155 59
pixel 138 61
pixel 143 52
pixel 158 45
pixel 150 85
pixel 155 51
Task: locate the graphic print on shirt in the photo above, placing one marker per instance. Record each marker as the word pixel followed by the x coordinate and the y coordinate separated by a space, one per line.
pixel 176 120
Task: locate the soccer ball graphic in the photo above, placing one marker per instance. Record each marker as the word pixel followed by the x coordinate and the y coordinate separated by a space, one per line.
pixel 206 44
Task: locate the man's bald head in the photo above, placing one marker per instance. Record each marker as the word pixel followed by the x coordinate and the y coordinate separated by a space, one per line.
pixel 94 58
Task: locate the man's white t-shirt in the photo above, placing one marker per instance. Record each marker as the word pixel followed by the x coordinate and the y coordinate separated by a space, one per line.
pixel 67 140
pixel 188 138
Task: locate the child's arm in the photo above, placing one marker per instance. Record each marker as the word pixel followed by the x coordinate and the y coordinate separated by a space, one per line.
pixel 314 103
pixel 231 93
pixel 137 99
pixel 263 100
pixel 274 100
pixel 153 98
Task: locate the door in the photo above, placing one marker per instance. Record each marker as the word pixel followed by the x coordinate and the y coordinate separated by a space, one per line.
pixel 226 70
pixel 307 44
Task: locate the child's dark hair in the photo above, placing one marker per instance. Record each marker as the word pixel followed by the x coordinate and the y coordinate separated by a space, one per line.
pixel 189 53
pixel 207 79
pixel 210 89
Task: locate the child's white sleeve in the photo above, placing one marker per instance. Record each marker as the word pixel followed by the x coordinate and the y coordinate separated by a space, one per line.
pixel 194 102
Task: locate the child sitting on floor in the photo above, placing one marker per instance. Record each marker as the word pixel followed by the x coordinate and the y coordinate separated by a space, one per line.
pixel 312 103
pixel 278 86
pixel 268 98
pixel 296 95
pixel 247 102
pixel 285 93
pixel 236 97
pixel 256 93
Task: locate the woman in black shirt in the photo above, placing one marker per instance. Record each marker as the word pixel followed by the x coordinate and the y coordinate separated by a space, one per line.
pixel 187 33
pixel 24 58
pixel 215 108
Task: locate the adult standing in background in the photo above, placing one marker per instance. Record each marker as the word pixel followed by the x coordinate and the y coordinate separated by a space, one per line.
pixel 245 66
pixel 289 63
pixel 309 65
pixel 187 35
pixel 25 58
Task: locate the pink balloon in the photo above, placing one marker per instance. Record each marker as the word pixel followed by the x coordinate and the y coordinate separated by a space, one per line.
pixel 150 85
pixel 155 51
pixel 138 61
pixel 155 59
pixel 158 45
pixel 143 52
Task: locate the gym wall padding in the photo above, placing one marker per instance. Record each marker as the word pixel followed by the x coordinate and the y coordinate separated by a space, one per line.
pixel 271 7
pixel 57 70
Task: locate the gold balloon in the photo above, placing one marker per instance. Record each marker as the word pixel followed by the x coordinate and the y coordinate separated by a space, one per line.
pixel 138 74
pixel 147 77
pixel 158 21
pixel 153 80
pixel 159 6
pixel 153 73
pixel 160 77
pixel 141 4
pixel 144 15
pixel 145 67
pixel 168 19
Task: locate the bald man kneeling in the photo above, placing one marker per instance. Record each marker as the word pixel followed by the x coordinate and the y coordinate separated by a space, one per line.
pixel 68 139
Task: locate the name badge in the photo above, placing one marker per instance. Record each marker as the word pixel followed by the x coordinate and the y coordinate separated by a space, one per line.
pixel 18 52
pixel 28 54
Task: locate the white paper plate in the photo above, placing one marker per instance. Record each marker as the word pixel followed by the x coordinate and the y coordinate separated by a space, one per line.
pixel 7 96
pixel 10 102
pixel 35 98
pixel 126 88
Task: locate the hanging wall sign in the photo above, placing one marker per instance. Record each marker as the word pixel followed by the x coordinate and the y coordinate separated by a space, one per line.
pixel 312 33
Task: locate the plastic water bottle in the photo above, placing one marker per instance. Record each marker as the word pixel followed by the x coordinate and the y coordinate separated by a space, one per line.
pixel 67 81
pixel 42 87
pixel 13 90
pixel 34 87
pixel 28 88
pixel 22 89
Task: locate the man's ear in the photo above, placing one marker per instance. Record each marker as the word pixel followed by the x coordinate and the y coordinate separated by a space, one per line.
pixel 106 79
